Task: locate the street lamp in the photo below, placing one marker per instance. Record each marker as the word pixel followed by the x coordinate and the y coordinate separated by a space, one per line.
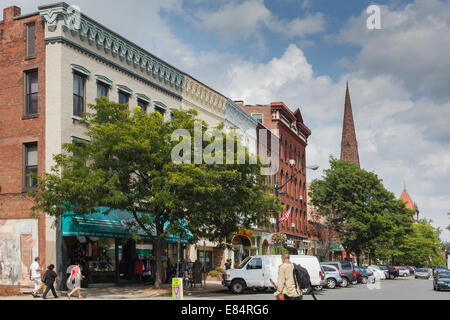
pixel 278 188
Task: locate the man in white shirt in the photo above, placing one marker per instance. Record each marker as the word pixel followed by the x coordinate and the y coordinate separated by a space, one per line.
pixel 35 275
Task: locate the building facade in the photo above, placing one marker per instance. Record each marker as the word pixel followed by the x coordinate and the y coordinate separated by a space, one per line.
pixel 293 138
pixel 53 65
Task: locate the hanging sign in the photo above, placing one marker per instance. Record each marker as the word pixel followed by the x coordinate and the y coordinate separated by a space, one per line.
pixel 177 289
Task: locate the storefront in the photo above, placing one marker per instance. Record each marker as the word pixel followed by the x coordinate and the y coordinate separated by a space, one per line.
pixel 337 252
pixel 244 244
pixel 102 244
pixel 265 243
pixel 296 245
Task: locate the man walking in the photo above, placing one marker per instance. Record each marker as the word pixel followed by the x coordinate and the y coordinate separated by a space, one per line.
pixel 286 280
pixel 35 275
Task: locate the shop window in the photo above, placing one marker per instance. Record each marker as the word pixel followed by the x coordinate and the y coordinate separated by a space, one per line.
pixel 205 258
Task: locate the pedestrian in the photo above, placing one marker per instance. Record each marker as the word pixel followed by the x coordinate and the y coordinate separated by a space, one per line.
pixel 49 278
pixel 74 281
pixel 286 280
pixel 35 276
pixel 228 264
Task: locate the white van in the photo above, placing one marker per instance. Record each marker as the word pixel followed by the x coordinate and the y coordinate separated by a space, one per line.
pixel 256 272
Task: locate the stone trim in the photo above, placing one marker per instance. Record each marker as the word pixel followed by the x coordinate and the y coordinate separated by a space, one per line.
pixel 125 89
pixel 104 80
pixel 82 70
pixel 143 97
pixel 161 105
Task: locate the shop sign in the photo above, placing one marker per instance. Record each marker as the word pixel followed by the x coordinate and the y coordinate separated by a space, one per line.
pixel 245 232
pixel 290 243
pixel 177 289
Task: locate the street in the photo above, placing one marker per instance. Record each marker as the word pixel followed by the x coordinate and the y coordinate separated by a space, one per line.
pixel 398 289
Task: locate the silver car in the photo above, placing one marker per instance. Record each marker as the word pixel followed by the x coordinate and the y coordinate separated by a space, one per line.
pixel 403 272
pixel 422 273
pixel 332 276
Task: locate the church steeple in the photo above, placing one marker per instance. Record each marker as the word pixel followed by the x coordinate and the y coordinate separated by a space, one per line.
pixel 349 145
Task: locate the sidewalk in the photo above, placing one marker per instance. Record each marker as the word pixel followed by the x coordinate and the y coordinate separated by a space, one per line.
pixel 132 291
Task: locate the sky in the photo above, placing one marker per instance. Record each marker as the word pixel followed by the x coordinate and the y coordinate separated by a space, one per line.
pixel 303 52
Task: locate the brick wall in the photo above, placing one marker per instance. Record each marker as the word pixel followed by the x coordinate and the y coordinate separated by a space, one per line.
pixel 14 130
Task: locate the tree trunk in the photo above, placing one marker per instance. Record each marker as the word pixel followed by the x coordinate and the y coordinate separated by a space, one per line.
pixel 158 252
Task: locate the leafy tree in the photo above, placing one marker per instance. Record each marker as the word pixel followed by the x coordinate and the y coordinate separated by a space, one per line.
pixel 359 209
pixel 422 247
pixel 127 165
pixel 279 241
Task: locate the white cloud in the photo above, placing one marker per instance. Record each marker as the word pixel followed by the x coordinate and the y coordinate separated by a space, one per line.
pixel 413 45
pixel 242 20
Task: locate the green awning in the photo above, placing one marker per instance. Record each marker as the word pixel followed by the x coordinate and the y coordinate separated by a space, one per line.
pixel 336 247
pixel 111 225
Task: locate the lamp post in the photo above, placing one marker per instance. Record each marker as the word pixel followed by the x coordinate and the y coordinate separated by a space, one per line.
pixel 280 188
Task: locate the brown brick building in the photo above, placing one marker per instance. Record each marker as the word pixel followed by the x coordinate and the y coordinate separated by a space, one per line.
pixel 22 141
pixel 293 138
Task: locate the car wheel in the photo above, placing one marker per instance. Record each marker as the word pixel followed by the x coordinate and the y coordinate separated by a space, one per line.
pixel 331 283
pixel 237 286
pixel 392 277
pixel 344 283
pixel 364 280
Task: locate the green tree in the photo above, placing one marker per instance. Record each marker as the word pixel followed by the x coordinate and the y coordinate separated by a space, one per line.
pixel 359 209
pixel 448 227
pixel 127 165
pixel 422 247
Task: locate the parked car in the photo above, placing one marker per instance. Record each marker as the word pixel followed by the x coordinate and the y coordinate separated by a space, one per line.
pixel 348 273
pixel 391 273
pixel 422 273
pixel 365 274
pixel 442 280
pixel 403 272
pixel 332 276
pixel 379 271
pixel 257 271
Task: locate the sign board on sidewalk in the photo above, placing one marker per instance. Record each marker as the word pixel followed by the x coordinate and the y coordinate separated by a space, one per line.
pixel 177 289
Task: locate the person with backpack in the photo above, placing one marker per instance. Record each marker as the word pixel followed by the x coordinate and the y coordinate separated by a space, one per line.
pixel 287 284
pixel 49 278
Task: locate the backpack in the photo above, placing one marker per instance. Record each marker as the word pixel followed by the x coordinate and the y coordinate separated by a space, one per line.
pixel 302 280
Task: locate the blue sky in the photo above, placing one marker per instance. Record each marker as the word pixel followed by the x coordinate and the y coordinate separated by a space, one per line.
pixel 302 52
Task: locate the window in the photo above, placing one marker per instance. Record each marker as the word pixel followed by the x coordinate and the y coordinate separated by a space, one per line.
pixel 31 92
pixel 255 264
pixel 78 94
pixel 102 90
pixel 31 40
pixel 30 165
pixel 258 117
pixel 160 110
pixel 124 98
pixel 143 104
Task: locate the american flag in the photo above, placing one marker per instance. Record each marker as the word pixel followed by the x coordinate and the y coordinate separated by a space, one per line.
pixel 286 215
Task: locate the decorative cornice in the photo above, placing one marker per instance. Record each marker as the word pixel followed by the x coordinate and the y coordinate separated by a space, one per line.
pixel 104 79
pixel 52 40
pixel 234 108
pixel 124 89
pixel 81 69
pixel 161 105
pixel 143 97
pixel 195 92
pixel 88 29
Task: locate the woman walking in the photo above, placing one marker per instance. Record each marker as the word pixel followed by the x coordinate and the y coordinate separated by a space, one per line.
pixel 74 281
pixel 49 279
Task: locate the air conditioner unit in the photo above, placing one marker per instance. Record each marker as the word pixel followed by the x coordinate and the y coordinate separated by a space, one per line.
pixel 293 225
pixel 273 220
pixel 301 198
